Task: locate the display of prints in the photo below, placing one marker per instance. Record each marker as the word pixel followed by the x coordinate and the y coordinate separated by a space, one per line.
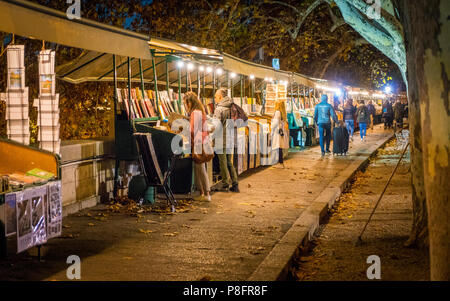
pixel 15 79
pixel 10 214
pixel 38 216
pixel 24 229
pixel 46 84
pixel 54 210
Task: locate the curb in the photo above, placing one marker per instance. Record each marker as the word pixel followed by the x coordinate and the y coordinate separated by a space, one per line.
pixel 276 265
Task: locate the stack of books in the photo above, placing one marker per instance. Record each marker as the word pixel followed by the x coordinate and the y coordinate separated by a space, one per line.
pixel 48 104
pixel 144 105
pixel 16 97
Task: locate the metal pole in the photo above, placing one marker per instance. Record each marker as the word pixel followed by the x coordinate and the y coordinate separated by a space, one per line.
pixel 198 82
pixel 179 88
pixel 116 168
pixel 155 79
pixel 132 112
pixel 242 88
pixel 167 76
pixel 187 79
pixel 142 79
pixel 214 87
pixel 204 87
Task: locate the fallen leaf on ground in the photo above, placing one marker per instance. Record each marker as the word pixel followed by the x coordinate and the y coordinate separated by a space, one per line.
pixel 171 234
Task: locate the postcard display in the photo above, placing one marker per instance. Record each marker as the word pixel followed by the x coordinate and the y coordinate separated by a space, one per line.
pixel 16 97
pixel 48 104
pixel 34 214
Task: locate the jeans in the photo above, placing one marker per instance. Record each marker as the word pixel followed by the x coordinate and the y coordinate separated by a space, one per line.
pixel 363 129
pixel 227 169
pixel 350 127
pixel 325 136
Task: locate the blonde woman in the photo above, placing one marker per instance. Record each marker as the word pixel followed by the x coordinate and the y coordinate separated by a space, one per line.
pixel 199 137
pixel 280 135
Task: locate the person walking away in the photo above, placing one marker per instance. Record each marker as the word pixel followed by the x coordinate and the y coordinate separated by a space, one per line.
pixel 202 150
pixel 398 114
pixel 323 114
pixel 349 117
pixel 372 113
pixel 227 170
pixel 387 114
pixel 278 131
pixel 363 116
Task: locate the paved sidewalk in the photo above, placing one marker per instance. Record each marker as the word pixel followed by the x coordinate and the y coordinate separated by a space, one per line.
pixel 231 238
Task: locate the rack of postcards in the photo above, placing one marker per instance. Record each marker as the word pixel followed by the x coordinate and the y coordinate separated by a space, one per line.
pixel 16 96
pixel 48 104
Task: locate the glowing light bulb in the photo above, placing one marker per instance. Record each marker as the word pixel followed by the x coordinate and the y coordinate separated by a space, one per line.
pixel 219 71
pixel 180 64
pixel 252 77
pixel 233 75
pixel 209 69
pixel 190 66
pixel 201 68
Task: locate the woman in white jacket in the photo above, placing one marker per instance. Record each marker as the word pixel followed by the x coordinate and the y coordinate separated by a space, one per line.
pixel 280 136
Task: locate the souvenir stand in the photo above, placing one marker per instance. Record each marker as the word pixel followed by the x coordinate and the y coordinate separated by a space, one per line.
pixel 30 190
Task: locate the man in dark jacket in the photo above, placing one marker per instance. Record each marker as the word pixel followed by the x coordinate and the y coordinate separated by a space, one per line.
pixel 322 116
pixel 388 114
pixel 363 115
pixel 372 113
pixel 398 114
pixel 223 114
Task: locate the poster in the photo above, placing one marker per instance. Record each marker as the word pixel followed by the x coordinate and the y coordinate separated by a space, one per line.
pixel 46 84
pixel 54 210
pixel 39 231
pixel 23 211
pixel 15 79
pixel 10 214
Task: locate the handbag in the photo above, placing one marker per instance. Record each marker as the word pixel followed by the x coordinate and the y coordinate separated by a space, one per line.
pixel 207 152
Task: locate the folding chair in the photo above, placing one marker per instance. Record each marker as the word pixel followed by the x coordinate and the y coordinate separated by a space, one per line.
pixel 150 167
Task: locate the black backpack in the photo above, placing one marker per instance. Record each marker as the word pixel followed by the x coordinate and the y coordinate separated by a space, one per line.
pixel 238 113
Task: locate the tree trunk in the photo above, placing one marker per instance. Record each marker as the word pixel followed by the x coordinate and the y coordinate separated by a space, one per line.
pixel 419 233
pixel 427 28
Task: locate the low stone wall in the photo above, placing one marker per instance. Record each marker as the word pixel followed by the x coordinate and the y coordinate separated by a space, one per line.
pixel 87 173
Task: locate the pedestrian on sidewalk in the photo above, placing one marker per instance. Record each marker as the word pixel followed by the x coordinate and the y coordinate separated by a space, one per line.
pixel 279 135
pixel 398 114
pixel 223 114
pixel 349 117
pixel 388 114
pixel 323 114
pixel 363 119
pixel 202 151
pixel 372 112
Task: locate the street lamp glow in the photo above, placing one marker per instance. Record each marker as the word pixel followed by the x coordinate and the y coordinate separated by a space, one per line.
pixel 180 64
